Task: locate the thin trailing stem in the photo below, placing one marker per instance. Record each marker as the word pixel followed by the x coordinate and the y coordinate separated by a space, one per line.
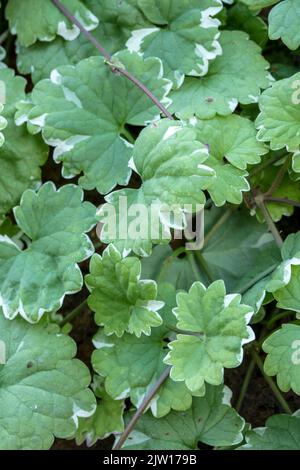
pixel 182 332
pixel 109 59
pixel 245 385
pixel 278 395
pixel 146 402
pixel 259 200
pixel 74 313
pixel 127 135
pixel 250 370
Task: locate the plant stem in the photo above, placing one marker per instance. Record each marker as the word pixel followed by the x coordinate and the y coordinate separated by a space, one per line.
pixel 193 266
pixel 219 224
pixel 127 135
pixel 259 199
pixel 258 278
pixel 250 370
pixel 259 168
pixel 278 395
pixel 179 251
pixel 182 332
pixel 279 177
pixel 282 200
pixel 114 68
pixel 294 322
pixel 74 313
pixel 4 36
pixel 130 426
pixel 245 385
pixel 204 266
pixel 276 318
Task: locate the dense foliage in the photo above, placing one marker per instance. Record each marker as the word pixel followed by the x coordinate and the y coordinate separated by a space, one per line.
pixel 188 127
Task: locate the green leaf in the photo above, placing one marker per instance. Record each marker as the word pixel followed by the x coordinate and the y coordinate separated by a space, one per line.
pixel 107 419
pixel 211 420
pixel 120 299
pixel 33 20
pixel 282 280
pixel 37 279
pixel 280 64
pixel 282 432
pixel 284 21
pixel 164 267
pixel 117 21
pixel 232 146
pixel 283 357
pixel 82 111
pixel 43 390
pixel 169 160
pixel 258 4
pixel 132 365
pixel 22 154
pixel 239 251
pixel 12 231
pixel 288 189
pixel 278 121
pixel 8 228
pixel 183 26
pixel 217 327
pixel 2 56
pixel 288 296
pixel 3 124
pixel 287 291
pixel 234 77
pixel 240 17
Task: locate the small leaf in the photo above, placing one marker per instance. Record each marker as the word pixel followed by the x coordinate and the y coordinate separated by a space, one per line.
pixel 241 17
pixel 238 251
pixel 288 275
pixel 43 390
pixel 232 146
pixel 120 299
pixel 288 189
pixel 216 326
pixel 37 279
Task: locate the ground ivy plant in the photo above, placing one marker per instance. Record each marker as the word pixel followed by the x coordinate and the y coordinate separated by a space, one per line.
pixel 149 203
